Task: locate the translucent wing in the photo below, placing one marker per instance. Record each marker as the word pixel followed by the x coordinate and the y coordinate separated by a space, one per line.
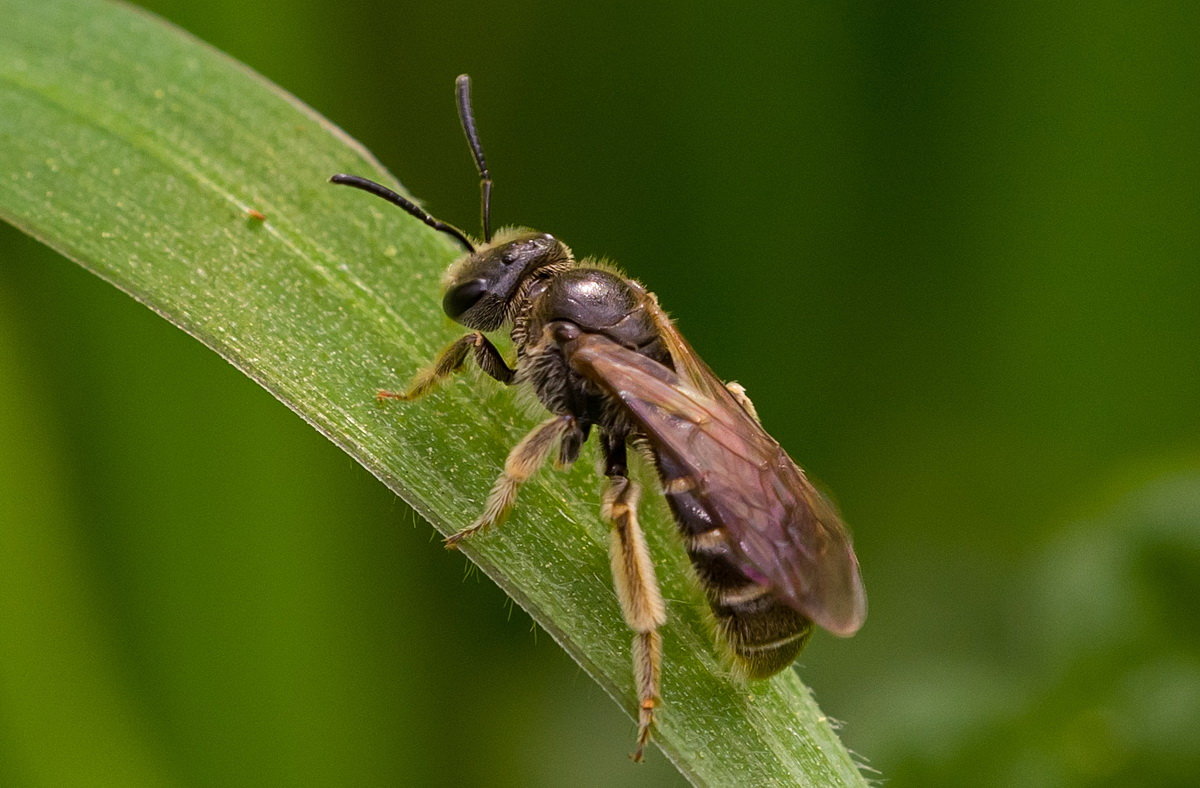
pixel 688 363
pixel 782 533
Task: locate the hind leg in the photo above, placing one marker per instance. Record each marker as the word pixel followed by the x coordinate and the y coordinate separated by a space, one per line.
pixel 739 394
pixel 636 584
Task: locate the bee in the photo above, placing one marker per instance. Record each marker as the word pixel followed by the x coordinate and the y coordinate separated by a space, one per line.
pixel 600 354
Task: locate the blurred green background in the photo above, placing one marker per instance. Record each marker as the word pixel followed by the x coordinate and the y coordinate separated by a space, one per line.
pixel 951 252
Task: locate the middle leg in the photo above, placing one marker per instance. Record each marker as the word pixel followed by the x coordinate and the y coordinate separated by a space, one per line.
pixel 525 458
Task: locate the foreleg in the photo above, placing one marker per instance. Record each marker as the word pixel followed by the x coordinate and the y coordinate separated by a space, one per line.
pixel 450 361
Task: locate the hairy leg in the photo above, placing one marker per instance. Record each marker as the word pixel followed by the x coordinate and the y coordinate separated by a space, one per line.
pixel 450 361
pixel 525 458
pixel 636 584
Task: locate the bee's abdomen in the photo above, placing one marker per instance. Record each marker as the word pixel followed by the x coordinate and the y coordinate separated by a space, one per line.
pixel 763 633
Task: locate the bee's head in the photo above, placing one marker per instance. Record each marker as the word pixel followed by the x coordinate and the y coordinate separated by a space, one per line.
pixel 481 285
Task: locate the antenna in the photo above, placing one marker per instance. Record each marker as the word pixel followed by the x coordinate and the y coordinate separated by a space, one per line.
pixel 467 115
pixel 380 190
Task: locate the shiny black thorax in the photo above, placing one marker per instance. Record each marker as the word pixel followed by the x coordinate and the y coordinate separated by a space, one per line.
pixel 596 301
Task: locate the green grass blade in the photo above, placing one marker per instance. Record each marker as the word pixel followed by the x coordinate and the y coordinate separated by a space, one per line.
pixel 139 152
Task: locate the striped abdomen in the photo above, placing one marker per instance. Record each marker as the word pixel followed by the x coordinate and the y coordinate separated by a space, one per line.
pixel 764 634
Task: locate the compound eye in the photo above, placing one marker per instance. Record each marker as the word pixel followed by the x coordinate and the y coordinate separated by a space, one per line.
pixel 460 298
